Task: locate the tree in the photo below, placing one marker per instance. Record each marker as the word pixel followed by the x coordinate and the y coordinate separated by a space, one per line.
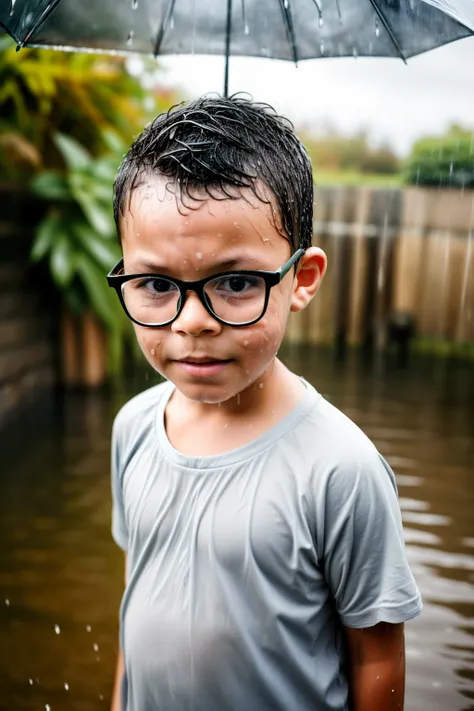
pixel 443 160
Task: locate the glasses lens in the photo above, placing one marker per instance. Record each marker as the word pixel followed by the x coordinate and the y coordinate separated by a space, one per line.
pixel 236 298
pixel 151 300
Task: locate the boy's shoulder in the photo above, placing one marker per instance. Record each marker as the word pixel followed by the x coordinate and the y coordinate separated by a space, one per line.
pixel 338 450
pixel 139 411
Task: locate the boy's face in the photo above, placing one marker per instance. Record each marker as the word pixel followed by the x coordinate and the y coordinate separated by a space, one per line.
pixel 194 242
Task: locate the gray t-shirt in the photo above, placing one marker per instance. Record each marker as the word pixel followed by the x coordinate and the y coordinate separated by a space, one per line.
pixel 243 566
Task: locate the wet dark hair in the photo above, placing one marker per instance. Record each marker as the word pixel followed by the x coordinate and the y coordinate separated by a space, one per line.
pixel 219 144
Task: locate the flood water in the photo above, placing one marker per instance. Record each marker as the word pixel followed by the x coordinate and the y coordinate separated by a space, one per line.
pixel 61 575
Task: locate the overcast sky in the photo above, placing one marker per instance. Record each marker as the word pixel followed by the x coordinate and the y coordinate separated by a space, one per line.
pixel 394 101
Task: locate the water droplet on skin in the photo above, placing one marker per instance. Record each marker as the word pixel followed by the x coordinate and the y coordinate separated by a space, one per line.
pixel 246 343
pixel 260 385
pixel 198 255
pixel 57 629
pixel 88 628
pixel 66 686
pixel 226 425
pixel 96 647
pixel 7 602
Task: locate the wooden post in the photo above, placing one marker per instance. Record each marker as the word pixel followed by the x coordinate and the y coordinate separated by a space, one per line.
pixel 94 351
pixel 70 349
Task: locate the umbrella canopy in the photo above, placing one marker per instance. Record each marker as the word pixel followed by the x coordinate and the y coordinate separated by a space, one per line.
pixel 282 29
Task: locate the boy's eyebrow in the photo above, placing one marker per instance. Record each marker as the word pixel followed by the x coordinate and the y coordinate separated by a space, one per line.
pixel 243 262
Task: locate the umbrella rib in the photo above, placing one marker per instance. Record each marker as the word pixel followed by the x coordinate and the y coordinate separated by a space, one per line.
pixel 163 27
pixel 38 22
pixel 389 29
pixel 290 30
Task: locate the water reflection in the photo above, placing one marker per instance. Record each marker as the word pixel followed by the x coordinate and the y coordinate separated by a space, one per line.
pixel 61 575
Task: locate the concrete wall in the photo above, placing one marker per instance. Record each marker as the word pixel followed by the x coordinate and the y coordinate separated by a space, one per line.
pixel 408 251
pixel 27 313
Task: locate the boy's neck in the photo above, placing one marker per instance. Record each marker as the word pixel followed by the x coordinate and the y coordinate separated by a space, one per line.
pixel 200 429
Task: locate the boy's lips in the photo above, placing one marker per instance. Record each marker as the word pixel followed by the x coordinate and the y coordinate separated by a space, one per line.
pixel 202 365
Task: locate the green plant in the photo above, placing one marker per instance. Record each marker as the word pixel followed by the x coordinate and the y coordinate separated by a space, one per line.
pixel 43 92
pixel 77 235
pixel 443 161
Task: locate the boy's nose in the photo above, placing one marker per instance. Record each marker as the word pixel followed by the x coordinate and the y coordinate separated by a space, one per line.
pixel 194 319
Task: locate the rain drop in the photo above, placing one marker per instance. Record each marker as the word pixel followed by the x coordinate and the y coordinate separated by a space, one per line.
pixel 88 628
pixel 30 682
pixel 134 4
pixel 246 29
pixel 57 629
pixel 101 697
pixel 172 22
pixel 320 21
pixel 47 707
pixel 7 602
pixel 355 52
pixel 96 647
pixel 377 28
pixel 130 37
pixel 66 686
pixel 321 48
pixel 286 4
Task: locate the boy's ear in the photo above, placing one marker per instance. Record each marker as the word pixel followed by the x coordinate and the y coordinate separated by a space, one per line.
pixel 311 269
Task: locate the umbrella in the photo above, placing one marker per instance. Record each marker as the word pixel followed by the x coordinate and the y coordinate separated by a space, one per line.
pixel 281 29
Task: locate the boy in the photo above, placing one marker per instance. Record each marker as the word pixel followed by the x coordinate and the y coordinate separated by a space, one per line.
pixel 265 563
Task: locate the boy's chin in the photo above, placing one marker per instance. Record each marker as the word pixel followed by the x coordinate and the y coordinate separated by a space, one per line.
pixel 209 393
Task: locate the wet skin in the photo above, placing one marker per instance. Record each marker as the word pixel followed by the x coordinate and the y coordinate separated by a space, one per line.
pixel 223 374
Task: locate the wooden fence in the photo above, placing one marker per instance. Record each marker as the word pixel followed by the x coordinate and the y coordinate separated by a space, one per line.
pixel 392 253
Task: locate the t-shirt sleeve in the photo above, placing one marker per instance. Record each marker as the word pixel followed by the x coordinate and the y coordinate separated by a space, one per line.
pixel 361 544
pixel 119 524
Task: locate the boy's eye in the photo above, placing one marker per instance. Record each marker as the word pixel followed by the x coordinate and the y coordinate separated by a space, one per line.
pixel 159 286
pixel 236 284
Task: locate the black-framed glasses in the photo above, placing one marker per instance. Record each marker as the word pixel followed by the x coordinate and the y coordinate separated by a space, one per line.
pixel 237 298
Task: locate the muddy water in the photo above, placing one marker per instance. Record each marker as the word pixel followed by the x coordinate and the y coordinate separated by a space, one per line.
pixel 61 574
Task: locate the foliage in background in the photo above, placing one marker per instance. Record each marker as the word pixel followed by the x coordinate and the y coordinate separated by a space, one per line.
pixel 43 92
pixel 446 161
pixel 335 153
pixel 66 119
pixel 77 235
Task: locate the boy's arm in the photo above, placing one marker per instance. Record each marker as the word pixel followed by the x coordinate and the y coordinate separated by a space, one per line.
pixel 116 698
pixel 376 667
